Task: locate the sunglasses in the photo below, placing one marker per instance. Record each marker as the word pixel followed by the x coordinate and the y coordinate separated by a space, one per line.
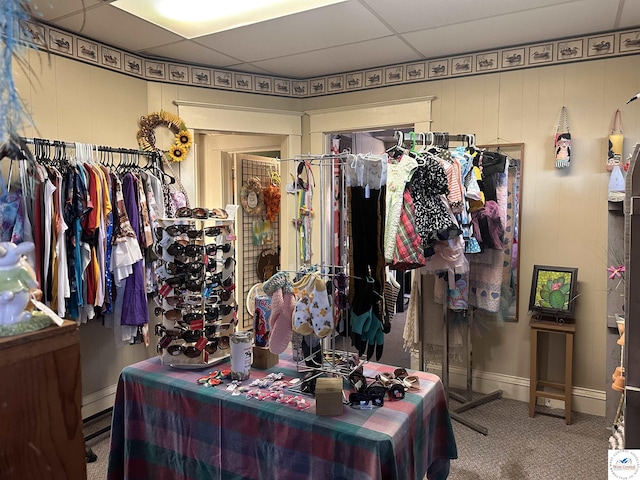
pixel 174 230
pixel 190 351
pixel 190 250
pixel 212 330
pixel 213 231
pixel 201 213
pixel 216 281
pixel 185 267
pixel 227 262
pixel 173 315
pixel 340 281
pixel 194 285
pixel 192 317
pixel 217 343
pixel 224 294
pixel 212 248
pixel 162 331
pixel 367 400
pixel 342 300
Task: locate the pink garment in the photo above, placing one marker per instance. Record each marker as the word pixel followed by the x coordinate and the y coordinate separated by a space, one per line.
pixel 282 305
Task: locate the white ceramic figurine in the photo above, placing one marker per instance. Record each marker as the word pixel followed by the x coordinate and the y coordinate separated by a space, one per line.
pixel 17 280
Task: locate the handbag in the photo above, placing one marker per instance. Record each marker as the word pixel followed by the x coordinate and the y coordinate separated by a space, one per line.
pixel 562 142
pixel 614 152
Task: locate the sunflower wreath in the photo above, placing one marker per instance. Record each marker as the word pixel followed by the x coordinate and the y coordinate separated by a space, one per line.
pixel 146 136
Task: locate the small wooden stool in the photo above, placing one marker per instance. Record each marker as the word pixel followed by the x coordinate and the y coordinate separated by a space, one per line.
pixel 537 386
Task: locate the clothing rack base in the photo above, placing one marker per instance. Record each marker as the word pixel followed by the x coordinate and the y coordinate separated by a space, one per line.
pixel 467 400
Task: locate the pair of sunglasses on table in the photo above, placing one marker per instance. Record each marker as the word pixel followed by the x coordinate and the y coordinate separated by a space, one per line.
pixel 191 351
pixel 201 213
pixel 394 384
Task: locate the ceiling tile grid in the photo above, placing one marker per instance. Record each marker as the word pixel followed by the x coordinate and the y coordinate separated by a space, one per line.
pixel 351 45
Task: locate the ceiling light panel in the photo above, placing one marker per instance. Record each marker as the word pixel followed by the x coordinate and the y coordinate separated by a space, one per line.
pixel 195 18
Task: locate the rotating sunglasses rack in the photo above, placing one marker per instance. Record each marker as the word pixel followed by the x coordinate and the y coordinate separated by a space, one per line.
pixel 196 288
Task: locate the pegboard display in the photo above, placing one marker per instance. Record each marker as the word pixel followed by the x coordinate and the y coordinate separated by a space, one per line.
pixel 260 240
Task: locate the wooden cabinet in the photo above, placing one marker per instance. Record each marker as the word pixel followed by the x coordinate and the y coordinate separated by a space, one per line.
pixel 40 400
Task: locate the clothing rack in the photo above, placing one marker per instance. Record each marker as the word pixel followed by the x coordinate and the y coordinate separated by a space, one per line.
pixel 44 146
pixel 326 165
pixel 442 139
pixel 100 148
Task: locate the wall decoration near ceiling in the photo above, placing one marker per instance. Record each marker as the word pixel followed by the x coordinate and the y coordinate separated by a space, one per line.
pixel 574 49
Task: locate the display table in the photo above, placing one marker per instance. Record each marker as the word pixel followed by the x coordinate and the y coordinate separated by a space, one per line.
pixel 166 426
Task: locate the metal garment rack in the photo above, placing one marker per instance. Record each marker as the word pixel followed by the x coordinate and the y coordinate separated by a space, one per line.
pixel 327 249
pixel 467 401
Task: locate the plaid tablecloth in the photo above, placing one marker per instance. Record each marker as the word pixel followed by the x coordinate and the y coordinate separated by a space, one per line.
pixel 166 426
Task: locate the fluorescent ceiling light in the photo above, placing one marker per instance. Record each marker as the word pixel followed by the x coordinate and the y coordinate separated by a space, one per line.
pixel 195 18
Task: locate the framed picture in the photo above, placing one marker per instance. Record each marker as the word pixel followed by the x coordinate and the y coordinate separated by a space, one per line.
pixel 60 42
pixel 282 86
pixel 111 58
pixel 600 45
pixel 178 73
pixel 373 78
pixel 243 82
pixel 263 84
pixel 335 84
pixel 415 71
pixel 629 41
pixel 201 76
pixel 354 80
pixel 299 87
pixel 318 86
pixel 486 61
pixel 513 58
pixel 553 290
pixel 570 50
pixel 541 53
pixel 461 65
pixel 438 68
pixel 154 70
pixel 87 50
pixel 132 64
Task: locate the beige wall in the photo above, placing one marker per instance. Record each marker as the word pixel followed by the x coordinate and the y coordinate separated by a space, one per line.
pixel 564 217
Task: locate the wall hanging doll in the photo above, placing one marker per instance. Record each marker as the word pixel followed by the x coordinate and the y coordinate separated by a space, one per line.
pixel 562 142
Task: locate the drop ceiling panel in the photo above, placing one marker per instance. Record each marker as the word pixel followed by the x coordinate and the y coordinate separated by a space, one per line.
pixel 516 28
pixel 630 14
pixel 49 10
pixel 313 30
pixel 191 52
pixel 383 51
pixel 113 26
pixel 250 68
pixel 411 15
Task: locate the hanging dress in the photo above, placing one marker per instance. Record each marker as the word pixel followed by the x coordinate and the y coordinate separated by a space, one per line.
pixel 399 172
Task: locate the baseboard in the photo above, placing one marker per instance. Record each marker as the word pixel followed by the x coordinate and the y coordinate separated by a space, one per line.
pixel 98 401
pixel 585 400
